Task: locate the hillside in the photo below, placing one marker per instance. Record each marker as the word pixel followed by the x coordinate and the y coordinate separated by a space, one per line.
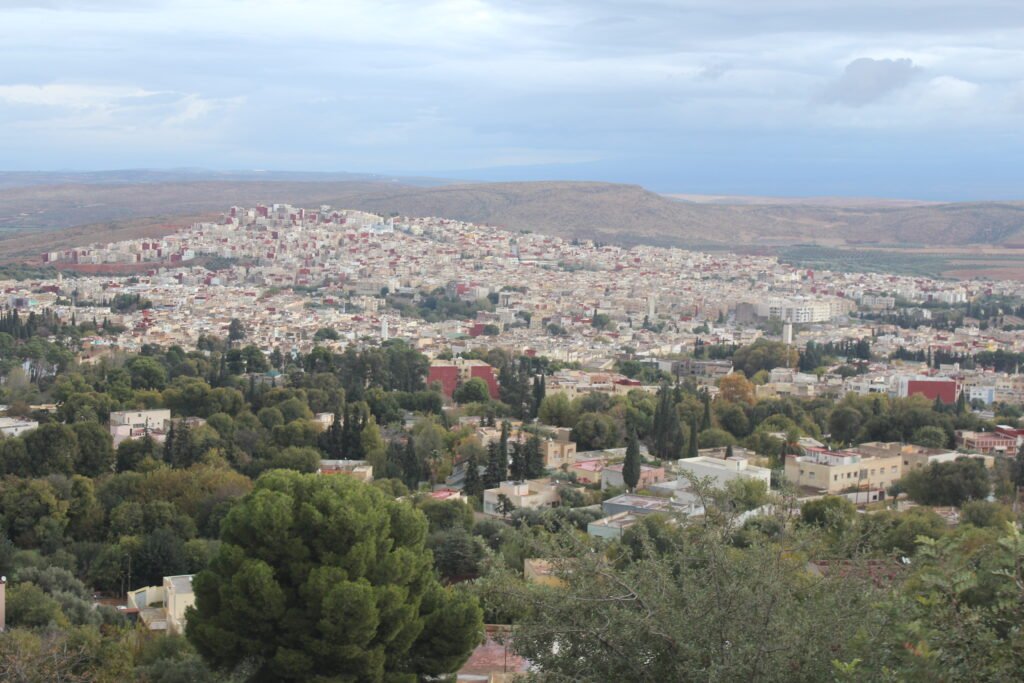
pixel 52 216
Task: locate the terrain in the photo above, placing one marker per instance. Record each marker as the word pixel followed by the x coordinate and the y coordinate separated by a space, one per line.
pixel 40 212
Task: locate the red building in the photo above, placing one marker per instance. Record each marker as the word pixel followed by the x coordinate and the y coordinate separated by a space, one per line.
pixel 450 374
pixel 946 390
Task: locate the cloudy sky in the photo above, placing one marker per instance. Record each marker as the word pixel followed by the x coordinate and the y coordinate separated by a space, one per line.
pixel 908 98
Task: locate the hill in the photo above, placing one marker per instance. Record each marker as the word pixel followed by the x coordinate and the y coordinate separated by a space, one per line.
pixel 77 213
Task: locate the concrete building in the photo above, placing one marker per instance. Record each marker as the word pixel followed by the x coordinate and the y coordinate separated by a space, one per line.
pixel 611 476
pixel 16 426
pixel 986 442
pixel 162 608
pixel 837 471
pixel 723 470
pixel 357 469
pixel 135 424
pixel 532 495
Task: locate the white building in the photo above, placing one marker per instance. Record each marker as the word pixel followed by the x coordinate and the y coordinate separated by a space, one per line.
pixel 135 424
pixel 722 471
pixel 15 426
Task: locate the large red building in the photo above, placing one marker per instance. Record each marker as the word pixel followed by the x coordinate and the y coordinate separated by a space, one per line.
pixel 451 373
pixel 946 390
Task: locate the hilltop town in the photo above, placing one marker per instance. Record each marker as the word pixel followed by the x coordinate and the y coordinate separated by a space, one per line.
pixel 297 277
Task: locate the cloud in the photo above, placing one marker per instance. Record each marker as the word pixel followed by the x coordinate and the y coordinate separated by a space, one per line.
pixel 867 80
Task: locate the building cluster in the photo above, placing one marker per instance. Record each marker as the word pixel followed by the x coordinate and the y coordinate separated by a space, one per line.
pixel 289 272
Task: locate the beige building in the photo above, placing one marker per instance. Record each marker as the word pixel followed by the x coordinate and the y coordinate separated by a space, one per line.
pixel 532 494
pixel 135 424
pixel 162 608
pixel 915 457
pixel 836 471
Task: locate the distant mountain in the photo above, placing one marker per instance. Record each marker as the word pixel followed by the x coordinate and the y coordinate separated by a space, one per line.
pixel 626 214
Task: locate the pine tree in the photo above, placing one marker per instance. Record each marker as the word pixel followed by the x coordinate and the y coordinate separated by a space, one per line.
pixel 631 466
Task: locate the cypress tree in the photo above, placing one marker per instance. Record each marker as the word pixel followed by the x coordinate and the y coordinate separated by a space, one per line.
pixel 706 420
pixel 472 485
pixel 631 466
pixel 497 467
pixel 692 447
pixel 411 470
pixel 534 458
pixel 169 444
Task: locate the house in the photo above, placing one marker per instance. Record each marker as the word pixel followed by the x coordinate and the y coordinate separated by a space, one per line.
pixel 917 457
pixel 613 526
pixel 135 424
pixel 162 608
pixel 447 494
pixel 611 476
pixel 723 470
pixel 358 469
pixel 587 471
pixel 532 495
pixel 631 502
pixel 558 449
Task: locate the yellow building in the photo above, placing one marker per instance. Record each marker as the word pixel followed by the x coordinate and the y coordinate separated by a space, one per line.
pixel 836 471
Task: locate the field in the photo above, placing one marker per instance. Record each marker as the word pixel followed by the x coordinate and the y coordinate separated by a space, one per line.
pixel 994 263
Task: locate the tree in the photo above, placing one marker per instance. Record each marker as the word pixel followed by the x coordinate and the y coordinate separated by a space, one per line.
pixel 947 483
pixel 596 431
pixel 505 506
pixel 236 331
pixel 473 486
pixel 54 449
pixel 556 410
pixel 666 432
pixel 95 449
pixel 497 467
pixel 693 446
pixel 473 391
pixel 736 388
pixel 844 424
pixel 930 436
pixel 829 512
pixel 327 577
pixel 631 465
pixel 758 616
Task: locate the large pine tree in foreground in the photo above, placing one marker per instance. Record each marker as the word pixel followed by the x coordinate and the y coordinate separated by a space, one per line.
pixel 326 577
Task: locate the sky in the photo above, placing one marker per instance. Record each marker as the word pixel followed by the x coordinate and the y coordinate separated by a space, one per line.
pixel 890 98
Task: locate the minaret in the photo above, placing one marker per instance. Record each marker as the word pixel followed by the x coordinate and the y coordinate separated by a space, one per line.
pixel 384 329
